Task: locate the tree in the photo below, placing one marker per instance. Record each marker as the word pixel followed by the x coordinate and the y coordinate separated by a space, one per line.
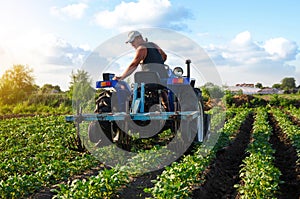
pixel 211 90
pixel 49 88
pixel 80 88
pixel 16 84
pixel 258 85
pixel 278 86
pixel 288 83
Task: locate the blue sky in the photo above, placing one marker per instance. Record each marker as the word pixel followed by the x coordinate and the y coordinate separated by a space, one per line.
pixel 248 41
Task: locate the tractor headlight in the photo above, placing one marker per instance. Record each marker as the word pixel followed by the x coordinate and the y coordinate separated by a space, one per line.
pixel 178 71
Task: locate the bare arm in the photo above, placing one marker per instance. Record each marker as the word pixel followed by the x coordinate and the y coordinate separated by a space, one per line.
pixel 140 55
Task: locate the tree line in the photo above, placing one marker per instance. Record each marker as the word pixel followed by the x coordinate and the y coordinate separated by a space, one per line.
pixel 288 84
pixel 17 85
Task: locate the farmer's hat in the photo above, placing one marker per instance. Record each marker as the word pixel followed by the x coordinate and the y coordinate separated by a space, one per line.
pixel 132 35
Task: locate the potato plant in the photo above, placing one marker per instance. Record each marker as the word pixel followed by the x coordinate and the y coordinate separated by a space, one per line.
pixel 289 128
pixel 178 179
pixel 295 112
pixel 34 154
pixel 260 178
pixel 108 181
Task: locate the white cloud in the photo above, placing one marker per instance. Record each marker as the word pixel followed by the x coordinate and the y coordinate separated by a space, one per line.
pixel 280 48
pixel 50 57
pixel 242 39
pixel 143 13
pixel 75 11
pixel 239 51
pixel 243 59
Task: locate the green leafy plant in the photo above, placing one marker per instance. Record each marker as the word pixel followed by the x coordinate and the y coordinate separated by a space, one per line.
pixel 178 179
pixel 260 178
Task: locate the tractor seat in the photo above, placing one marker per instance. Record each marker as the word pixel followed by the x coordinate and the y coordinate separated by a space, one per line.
pixel 150 78
pixel 147 77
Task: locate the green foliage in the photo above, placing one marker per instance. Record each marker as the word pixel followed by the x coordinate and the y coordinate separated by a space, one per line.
pixel 205 94
pixel 288 127
pixel 260 178
pixel 257 102
pixel 288 83
pixel 178 179
pixel 278 86
pixel 80 86
pixel 81 92
pixel 108 181
pixel 34 153
pixel 19 95
pixel 253 101
pixel 283 101
pixel 212 91
pixel 38 155
pixel 49 88
pixel 16 84
pixel 49 99
pixel 101 186
pixel 295 112
pixel 33 108
pixel 228 98
pixel 258 85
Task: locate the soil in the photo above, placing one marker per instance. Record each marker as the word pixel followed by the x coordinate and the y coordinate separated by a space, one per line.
pixel 223 173
pixel 285 160
pixel 135 189
pixel 240 100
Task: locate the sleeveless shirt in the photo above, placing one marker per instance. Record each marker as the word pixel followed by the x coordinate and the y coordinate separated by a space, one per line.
pixel 153 55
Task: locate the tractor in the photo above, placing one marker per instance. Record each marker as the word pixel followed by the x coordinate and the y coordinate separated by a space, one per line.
pixel 148 107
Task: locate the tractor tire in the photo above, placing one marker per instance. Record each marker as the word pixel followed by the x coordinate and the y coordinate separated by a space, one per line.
pixel 100 131
pixel 199 124
pixel 192 130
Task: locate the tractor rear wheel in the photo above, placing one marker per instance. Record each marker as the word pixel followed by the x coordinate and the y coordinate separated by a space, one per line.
pixel 191 130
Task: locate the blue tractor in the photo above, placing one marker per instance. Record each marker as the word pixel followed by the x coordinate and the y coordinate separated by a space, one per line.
pixel 149 107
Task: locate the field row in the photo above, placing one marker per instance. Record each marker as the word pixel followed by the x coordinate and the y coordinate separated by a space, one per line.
pixel 259 176
pixel 178 179
pixel 35 154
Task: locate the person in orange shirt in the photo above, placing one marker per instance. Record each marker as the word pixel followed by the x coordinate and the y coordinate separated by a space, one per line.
pixel 148 54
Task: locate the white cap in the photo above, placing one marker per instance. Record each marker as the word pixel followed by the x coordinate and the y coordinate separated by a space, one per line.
pixel 132 35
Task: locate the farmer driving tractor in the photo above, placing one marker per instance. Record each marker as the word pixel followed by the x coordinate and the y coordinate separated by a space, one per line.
pixel 150 56
pixel 160 99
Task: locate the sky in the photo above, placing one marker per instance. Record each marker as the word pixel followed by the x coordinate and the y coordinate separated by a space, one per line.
pixel 253 41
